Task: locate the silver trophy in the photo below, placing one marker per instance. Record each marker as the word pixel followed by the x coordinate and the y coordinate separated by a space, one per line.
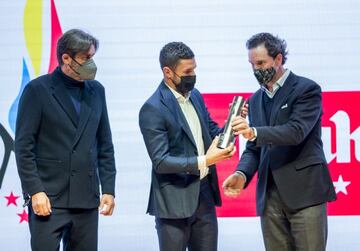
pixel 228 136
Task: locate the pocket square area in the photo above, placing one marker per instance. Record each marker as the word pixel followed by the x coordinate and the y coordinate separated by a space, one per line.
pixel 284 106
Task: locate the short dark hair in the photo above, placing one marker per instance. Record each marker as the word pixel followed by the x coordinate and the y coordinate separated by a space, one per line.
pixel 273 44
pixel 172 52
pixel 75 41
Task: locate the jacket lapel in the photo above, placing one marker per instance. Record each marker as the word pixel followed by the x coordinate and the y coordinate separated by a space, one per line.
pixel 172 104
pixel 62 97
pixel 204 128
pixel 259 107
pixel 85 111
pixel 283 94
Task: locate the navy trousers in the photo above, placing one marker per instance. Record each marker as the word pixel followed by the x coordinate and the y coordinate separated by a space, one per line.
pixel 76 228
pixel 197 233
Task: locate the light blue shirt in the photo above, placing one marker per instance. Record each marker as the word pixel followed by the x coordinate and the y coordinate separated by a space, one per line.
pixel 279 83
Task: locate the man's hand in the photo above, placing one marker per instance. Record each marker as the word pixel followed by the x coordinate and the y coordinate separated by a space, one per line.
pixel 41 204
pixel 241 126
pixel 233 185
pixel 107 204
pixel 244 111
pixel 215 154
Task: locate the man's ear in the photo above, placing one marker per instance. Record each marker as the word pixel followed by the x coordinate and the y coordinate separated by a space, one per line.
pixel 167 72
pixel 66 58
pixel 278 59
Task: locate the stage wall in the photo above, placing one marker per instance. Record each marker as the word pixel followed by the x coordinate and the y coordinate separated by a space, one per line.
pixel 323 38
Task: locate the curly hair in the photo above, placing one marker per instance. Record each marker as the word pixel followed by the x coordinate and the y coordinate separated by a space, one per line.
pixel 273 44
pixel 172 52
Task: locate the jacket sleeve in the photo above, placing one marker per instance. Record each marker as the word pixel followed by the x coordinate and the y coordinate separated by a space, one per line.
pixel 249 161
pixel 27 127
pixel 106 160
pixel 154 130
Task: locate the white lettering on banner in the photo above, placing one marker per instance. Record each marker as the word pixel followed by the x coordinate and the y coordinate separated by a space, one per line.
pixel 326 138
pixel 342 139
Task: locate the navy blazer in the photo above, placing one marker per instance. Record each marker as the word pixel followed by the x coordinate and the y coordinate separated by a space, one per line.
pixel 175 183
pixel 59 152
pixel 290 146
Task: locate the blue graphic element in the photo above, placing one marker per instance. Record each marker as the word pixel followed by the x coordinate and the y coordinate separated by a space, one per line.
pixel 14 107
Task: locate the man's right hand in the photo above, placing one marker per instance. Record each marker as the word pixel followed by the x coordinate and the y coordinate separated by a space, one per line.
pixel 233 185
pixel 41 204
pixel 215 154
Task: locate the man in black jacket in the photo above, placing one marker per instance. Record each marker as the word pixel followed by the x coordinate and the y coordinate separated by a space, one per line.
pixel 180 137
pixel 64 149
pixel 286 150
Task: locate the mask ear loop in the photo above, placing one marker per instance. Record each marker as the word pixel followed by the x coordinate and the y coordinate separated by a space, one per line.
pixel 176 75
pixel 76 61
pixel 73 68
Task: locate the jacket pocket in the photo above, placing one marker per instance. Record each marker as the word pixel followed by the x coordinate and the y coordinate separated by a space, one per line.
pixel 178 180
pixel 311 161
pixel 52 175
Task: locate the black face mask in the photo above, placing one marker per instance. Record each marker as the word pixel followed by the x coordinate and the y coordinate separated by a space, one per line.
pixel 264 76
pixel 186 84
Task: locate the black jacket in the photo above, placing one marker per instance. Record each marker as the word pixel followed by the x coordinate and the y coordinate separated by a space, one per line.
pixel 175 183
pixel 59 152
pixel 290 146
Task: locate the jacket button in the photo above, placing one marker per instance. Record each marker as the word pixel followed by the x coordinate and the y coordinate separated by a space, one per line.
pixel 73 151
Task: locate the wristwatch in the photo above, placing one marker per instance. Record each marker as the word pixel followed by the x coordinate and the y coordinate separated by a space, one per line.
pixel 253 129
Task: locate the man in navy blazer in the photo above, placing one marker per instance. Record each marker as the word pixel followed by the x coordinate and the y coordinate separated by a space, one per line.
pixel 180 138
pixel 285 148
pixel 64 149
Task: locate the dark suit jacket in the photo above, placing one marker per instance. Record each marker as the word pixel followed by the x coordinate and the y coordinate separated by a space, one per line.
pixel 59 152
pixel 291 145
pixel 175 179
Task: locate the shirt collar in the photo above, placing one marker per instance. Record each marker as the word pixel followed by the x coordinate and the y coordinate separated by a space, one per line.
pixel 283 78
pixel 180 98
pixel 279 83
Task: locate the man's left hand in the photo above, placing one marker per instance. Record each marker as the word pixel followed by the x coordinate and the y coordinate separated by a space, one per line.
pixel 107 204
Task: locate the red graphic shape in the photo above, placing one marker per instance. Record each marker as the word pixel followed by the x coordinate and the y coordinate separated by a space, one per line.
pixel 24 216
pixel 11 199
pixel 55 35
pixel 346 103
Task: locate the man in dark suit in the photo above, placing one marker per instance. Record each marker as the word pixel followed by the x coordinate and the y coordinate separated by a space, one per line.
pixel 178 133
pixel 63 147
pixel 285 148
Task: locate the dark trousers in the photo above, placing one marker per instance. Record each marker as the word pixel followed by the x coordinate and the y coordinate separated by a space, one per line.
pixel 285 229
pixel 197 233
pixel 77 228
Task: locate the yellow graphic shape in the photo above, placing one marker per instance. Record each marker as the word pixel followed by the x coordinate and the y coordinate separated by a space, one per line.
pixel 33 32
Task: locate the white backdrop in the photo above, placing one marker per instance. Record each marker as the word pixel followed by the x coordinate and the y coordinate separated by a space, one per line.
pixel 323 38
